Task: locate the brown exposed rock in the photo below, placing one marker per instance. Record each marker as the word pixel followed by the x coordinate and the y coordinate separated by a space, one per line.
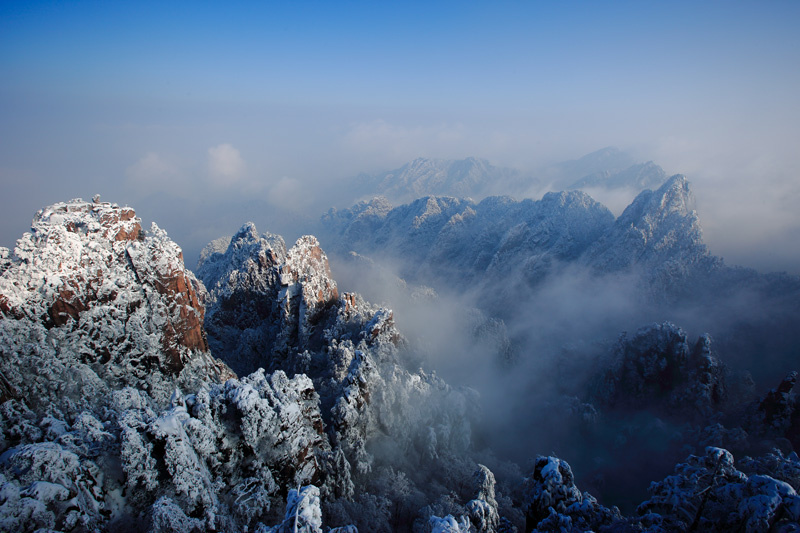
pixel 349 302
pixel 309 288
pixel 383 324
pixel 190 313
pixel 66 306
pixel 133 233
pixel 113 221
pixel 7 310
pixel 184 327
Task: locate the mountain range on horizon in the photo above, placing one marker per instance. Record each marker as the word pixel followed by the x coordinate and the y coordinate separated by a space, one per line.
pixel 608 169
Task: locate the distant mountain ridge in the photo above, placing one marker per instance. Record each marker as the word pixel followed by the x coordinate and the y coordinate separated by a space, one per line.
pixel 449 236
pixel 609 159
pixel 504 252
pixel 477 178
pixel 638 177
pixel 434 177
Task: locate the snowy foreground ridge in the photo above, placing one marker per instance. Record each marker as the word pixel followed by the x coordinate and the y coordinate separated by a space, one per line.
pixel 136 396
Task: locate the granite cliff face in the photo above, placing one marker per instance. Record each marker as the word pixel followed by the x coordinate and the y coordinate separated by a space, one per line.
pixel 273 308
pixel 267 304
pixel 99 295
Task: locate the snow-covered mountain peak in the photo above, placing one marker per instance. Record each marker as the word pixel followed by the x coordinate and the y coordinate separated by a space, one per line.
pixel 114 222
pixel 573 198
pixel 308 286
pixel 246 259
pixel 659 231
pixel 674 196
pixel 115 303
pixel 248 231
pixel 307 262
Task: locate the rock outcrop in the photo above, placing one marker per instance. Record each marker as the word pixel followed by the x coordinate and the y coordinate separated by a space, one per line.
pixel 265 304
pixel 280 309
pixel 660 368
pixel 659 233
pixel 92 293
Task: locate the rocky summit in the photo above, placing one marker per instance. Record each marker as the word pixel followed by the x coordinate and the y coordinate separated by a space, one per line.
pixel 88 288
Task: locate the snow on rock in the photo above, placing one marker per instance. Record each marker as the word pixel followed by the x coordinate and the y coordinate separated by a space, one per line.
pixel 101 329
pixel 115 414
pixel 501 246
pixel 708 493
pixel 551 485
pixel 307 289
pixel 42 485
pixel 464 241
pixel 660 367
pixel 106 375
pixel 775 464
pixel 449 524
pixel 282 310
pixel 659 233
pixel 482 511
pixel 168 517
pixel 356 224
pixel 303 513
pixel 349 348
pixel 243 282
pixel 223 454
pixel 264 302
pixel 93 301
pixel 553 502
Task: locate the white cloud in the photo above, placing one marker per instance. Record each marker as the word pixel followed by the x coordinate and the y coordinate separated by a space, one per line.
pixel 381 141
pixel 747 193
pixel 289 194
pixel 151 168
pixel 225 164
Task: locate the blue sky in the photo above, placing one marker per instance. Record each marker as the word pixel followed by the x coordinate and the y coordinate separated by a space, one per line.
pixel 451 54
pixel 211 105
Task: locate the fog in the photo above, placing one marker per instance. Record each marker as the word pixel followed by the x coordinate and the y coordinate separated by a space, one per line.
pixel 279 172
pixel 205 118
pixel 536 370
